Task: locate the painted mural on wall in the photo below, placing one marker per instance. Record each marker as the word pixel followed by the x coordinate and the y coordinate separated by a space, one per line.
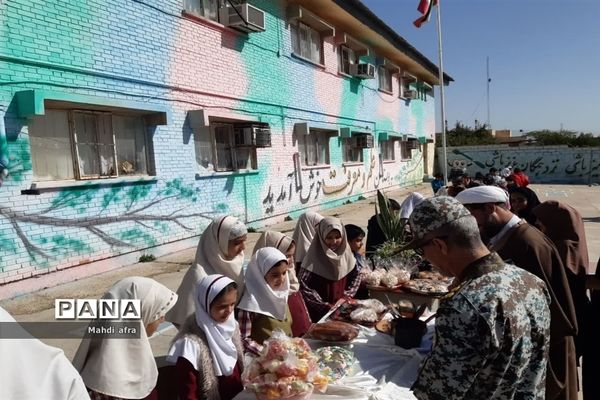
pixel 162 58
pixel 341 183
pixel 542 164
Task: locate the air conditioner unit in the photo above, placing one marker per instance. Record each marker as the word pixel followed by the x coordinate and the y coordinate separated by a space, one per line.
pixel 363 70
pixel 252 135
pixel 244 17
pixel 410 94
pixel 364 141
pixel 413 144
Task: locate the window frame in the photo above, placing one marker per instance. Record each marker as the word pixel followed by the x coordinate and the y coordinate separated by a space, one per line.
pixel 234 151
pixel 299 48
pixel 387 148
pixel 73 135
pixel 405 150
pixel 404 81
pixel 349 147
pixel 198 8
pixel 385 77
pixel 319 138
pixel 352 59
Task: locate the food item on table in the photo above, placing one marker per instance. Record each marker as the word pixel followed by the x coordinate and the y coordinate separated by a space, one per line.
pixel 364 314
pixel 433 275
pixel 373 278
pixel 286 368
pixel 403 276
pixel 335 361
pixel 375 304
pixel 427 286
pixel 389 280
pixel 334 331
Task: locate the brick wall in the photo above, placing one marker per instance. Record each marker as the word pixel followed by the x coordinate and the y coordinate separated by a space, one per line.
pixel 149 52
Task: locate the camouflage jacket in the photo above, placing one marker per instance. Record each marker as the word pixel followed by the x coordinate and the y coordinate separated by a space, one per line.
pixel 492 337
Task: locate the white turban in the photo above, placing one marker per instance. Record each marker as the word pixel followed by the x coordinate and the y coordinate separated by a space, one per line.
pixel 483 194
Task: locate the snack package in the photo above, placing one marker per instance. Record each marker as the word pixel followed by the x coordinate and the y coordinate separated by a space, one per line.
pixel 375 304
pixel 285 369
pixel 364 314
pixel 335 361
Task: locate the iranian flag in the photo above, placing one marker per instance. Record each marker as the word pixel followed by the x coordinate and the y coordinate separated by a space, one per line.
pixel 424 8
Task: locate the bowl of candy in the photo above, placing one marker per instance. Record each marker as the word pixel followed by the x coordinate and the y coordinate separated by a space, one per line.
pixel 286 369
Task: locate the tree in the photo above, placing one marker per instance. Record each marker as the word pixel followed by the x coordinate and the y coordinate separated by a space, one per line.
pixel 463 135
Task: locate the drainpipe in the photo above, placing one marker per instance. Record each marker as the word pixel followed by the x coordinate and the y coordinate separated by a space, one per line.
pixel 3 151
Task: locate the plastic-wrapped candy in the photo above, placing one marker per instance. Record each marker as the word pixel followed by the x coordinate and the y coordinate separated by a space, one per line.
pixel 375 304
pixel 389 280
pixel 285 369
pixel 374 277
pixel 364 314
pixel 335 361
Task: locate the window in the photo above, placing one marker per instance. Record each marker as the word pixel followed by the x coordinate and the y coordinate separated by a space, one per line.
pixel 347 58
pixel 407 146
pixel 314 148
pixel 216 149
pixel 351 152
pixel 405 81
pixel 74 144
pixel 306 42
pixel 205 8
pixel 385 79
pixel 387 150
pixel 405 150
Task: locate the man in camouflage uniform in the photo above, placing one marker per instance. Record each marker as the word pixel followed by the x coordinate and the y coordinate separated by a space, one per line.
pixel 492 330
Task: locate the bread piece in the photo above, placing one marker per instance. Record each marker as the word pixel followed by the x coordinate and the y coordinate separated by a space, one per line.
pixel 334 331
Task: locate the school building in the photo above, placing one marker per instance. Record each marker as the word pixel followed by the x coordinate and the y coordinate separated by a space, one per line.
pixel 127 125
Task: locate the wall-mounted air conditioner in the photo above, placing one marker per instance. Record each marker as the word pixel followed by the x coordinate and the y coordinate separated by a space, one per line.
pixel 364 141
pixel 244 17
pixel 363 70
pixel 410 94
pixel 252 135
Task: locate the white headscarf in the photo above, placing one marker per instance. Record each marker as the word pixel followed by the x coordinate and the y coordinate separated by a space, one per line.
pixel 211 258
pixel 258 296
pixel 409 204
pixel 282 243
pixel 305 232
pixel 321 260
pixel 218 335
pixel 126 368
pixel 34 370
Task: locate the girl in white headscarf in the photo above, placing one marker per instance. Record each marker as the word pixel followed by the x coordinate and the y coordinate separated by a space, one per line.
pixel 300 319
pixel 208 350
pixel 305 232
pixel 328 272
pixel 220 251
pixel 125 368
pixel 263 307
pixel 34 370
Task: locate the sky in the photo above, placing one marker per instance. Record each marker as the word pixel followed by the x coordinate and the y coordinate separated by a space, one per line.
pixel 544 58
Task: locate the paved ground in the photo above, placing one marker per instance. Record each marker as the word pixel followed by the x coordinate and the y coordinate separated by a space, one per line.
pixel 169 270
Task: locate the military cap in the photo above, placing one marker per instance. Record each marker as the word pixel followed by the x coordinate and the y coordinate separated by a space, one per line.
pixel 431 216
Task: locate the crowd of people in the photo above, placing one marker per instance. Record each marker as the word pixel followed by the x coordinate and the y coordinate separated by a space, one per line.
pixel 516 324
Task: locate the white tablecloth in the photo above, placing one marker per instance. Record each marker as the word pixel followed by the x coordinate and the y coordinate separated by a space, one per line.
pixel 382 371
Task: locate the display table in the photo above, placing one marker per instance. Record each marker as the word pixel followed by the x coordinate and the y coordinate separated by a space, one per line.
pixel 382 370
pixel 395 295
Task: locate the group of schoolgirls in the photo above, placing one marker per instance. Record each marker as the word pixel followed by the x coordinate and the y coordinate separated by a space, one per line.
pixel 223 311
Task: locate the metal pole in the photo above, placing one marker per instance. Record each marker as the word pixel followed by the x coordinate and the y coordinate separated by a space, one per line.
pixel 489 121
pixel 443 105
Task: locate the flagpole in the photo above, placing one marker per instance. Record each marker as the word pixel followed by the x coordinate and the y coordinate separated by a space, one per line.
pixel 443 103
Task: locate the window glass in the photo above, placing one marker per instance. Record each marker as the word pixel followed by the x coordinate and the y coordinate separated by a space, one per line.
pixel 387 150
pixel 51 155
pixel 385 79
